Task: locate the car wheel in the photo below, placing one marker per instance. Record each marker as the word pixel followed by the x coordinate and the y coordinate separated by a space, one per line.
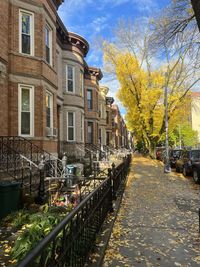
pixel 184 171
pixel 196 176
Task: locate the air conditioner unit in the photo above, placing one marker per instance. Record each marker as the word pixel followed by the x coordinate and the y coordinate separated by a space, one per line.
pixel 48 131
pixel 51 131
pixel 54 132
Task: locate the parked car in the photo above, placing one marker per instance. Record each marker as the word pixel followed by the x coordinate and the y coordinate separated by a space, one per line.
pixel 196 172
pixel 187 161
pixel 174 155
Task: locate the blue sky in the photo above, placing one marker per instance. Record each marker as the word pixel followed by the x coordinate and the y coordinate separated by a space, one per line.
pixel 97 18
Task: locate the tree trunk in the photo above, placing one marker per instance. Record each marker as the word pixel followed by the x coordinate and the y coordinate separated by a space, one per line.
pixel 196 8
pixel 152 150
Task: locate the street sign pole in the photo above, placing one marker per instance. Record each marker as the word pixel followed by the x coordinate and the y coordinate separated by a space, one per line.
pixel 167 167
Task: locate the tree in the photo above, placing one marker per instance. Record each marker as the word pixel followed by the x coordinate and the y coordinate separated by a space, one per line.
pixel 141 91
pixel 176 28
pixel 186 135
pixel 196 8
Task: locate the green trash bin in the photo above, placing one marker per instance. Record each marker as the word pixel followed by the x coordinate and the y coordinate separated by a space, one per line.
pixel 9 197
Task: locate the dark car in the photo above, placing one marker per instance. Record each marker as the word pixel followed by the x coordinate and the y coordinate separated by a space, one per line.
pixel 187 160
pixel 174 155
pixel 196 172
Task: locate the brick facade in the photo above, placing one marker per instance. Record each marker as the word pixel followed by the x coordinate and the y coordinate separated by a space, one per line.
pixel 44 77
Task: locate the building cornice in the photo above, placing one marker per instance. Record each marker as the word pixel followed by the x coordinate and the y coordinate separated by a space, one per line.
pixel 69 40
pixel 93 71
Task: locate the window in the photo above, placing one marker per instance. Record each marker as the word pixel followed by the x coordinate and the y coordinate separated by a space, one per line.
pixel 49 110
pixel 81 84
pixel 89 99
pixel 48 44
pixel 26 30
pixel 70 79
pixel 70 126
pixel 26 115
pixel 107 117
pixel 82 127
pixel 90 132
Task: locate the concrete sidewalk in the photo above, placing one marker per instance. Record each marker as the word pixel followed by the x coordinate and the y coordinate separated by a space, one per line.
pixel 157 224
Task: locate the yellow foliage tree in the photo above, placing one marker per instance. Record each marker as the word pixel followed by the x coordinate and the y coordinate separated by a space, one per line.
pixel 142 93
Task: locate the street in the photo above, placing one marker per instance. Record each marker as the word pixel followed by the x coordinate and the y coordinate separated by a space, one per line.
pixel 157 224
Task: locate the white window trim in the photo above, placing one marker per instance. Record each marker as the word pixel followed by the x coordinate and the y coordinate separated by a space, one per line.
pixel 32 38
pixel 92 95
pixel 50 43
pixel 82 127
pixel 82 83
pixel 73 71
pixel 51 108
pixel 31 88
pixel 74 127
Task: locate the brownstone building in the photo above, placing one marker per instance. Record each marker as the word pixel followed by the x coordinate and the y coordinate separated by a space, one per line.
pixel 28 70
pixel 92 78
pixel 48 93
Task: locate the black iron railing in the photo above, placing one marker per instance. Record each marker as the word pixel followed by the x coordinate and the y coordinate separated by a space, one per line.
pixel 25 148
pixel 71 241
pixel 19 168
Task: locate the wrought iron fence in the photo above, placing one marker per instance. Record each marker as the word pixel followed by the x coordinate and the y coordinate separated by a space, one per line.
pixel 71 240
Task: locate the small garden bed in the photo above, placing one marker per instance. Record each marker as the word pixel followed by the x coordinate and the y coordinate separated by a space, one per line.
pixel 21 231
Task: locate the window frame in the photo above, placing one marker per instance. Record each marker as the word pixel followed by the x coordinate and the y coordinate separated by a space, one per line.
pixel 50 44
pixel 31 96
pixel 32 43
pixel 73 79
pixel 73 127
pixel 91 91
pixel 51 109
pixel 81 83
pixel 92 139
pixel 82 127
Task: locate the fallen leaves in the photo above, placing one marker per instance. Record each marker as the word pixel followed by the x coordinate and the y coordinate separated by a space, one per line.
pixel 151 229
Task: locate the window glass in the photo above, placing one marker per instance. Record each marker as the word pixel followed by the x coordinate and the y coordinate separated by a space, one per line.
pixel 25 100
pixel 25 112
pixel 47 44
pixel 70 78
pixel 90 132
pixel 49 110
pixel 26 33
pixel 70 119
pixel 89 99
pixel 195 154
pixel 70 126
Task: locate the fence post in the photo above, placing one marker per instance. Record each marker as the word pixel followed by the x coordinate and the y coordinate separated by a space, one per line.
pixel 41 197
pixel 111 190
pixel 113 181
